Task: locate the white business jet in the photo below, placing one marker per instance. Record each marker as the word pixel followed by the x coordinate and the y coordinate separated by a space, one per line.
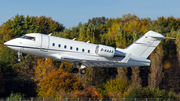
pixel 85 53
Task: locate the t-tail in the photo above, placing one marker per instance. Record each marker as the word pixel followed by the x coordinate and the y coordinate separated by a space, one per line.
pixel 145 45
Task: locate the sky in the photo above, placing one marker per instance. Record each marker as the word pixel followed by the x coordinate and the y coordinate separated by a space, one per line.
pixel 71 12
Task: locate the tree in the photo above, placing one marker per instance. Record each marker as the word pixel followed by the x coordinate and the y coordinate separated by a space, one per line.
pixel 25 67
pixel 129 16
pixel 178 46
pixel 6 32
pixel 156 68
pixel 29 24
pixel 121 38
pixel 16 24
pixel 51 82
pixel 19 25
pixel 56 82
pixel 135 79
pixel 2 90
pixel 43 67
pixel 8 61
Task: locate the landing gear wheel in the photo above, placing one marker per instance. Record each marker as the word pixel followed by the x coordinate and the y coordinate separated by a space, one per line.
pixel 83 71
pixel 75 70
pixel 18 59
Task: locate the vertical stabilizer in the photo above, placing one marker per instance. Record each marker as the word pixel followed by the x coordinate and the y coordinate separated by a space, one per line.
pixel 145 45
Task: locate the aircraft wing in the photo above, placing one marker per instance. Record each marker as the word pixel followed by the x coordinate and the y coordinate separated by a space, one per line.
pixel 94 63
pixel 90 63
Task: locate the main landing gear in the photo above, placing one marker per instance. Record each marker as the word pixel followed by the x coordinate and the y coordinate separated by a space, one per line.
pixel 76 70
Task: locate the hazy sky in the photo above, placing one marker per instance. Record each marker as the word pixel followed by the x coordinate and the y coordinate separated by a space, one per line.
pixel 71 12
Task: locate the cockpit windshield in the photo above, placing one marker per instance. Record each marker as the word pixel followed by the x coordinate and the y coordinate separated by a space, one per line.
pixel 28 37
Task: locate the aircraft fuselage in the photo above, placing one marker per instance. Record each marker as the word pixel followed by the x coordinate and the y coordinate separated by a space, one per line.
pixel 75 51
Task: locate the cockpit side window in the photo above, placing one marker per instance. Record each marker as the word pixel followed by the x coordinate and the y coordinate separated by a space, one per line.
pixel 28 37
pixel 24 37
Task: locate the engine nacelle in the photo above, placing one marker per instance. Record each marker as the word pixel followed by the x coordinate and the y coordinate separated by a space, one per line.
pixel 105 51
pixel 108 52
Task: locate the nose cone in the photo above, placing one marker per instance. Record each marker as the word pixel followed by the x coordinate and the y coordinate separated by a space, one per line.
pixel 12 44
pixel 7 43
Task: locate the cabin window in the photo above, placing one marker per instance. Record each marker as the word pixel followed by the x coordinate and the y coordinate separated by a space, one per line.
pixel 65 46
pixel 59 45
pixel 88 51
pixel 53 44
pixel 82 50
pixel 76 49
pixel 28 37
pixel 71 47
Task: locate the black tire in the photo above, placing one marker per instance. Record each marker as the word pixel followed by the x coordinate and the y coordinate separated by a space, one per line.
pixel 75 70
pixel 83 71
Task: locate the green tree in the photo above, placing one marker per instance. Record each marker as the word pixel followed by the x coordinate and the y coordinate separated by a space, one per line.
pixel 129 16
pixel 19 25
pixel 121 38
pixel 115 85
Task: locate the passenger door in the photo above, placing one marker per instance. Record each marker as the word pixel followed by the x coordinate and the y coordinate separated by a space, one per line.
pixel 44 43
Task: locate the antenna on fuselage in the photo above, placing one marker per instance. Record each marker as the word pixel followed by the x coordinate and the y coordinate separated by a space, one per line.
pixel 74 39
pixel 50 34
pixel 88 41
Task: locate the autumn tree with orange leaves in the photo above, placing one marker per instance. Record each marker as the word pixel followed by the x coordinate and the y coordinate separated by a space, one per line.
pixel 53 82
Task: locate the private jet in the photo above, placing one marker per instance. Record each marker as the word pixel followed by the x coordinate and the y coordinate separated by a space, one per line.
pixel 86 54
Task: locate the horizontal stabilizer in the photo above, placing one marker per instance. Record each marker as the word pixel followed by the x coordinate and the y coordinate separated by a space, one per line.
pixel 170 38
pixel 154 35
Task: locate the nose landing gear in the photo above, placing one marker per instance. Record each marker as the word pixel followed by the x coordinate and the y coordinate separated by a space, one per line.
pixel 19 55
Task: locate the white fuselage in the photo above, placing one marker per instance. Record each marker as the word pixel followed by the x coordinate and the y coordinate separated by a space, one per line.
pixel 74 51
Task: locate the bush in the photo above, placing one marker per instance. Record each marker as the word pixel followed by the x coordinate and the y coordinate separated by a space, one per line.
pixel 90 92
pixel 15 96
pixel 171 94
pixel 114 85
pixel 160 93
pixel 134 92
pixel 148 92
pixel 115 95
